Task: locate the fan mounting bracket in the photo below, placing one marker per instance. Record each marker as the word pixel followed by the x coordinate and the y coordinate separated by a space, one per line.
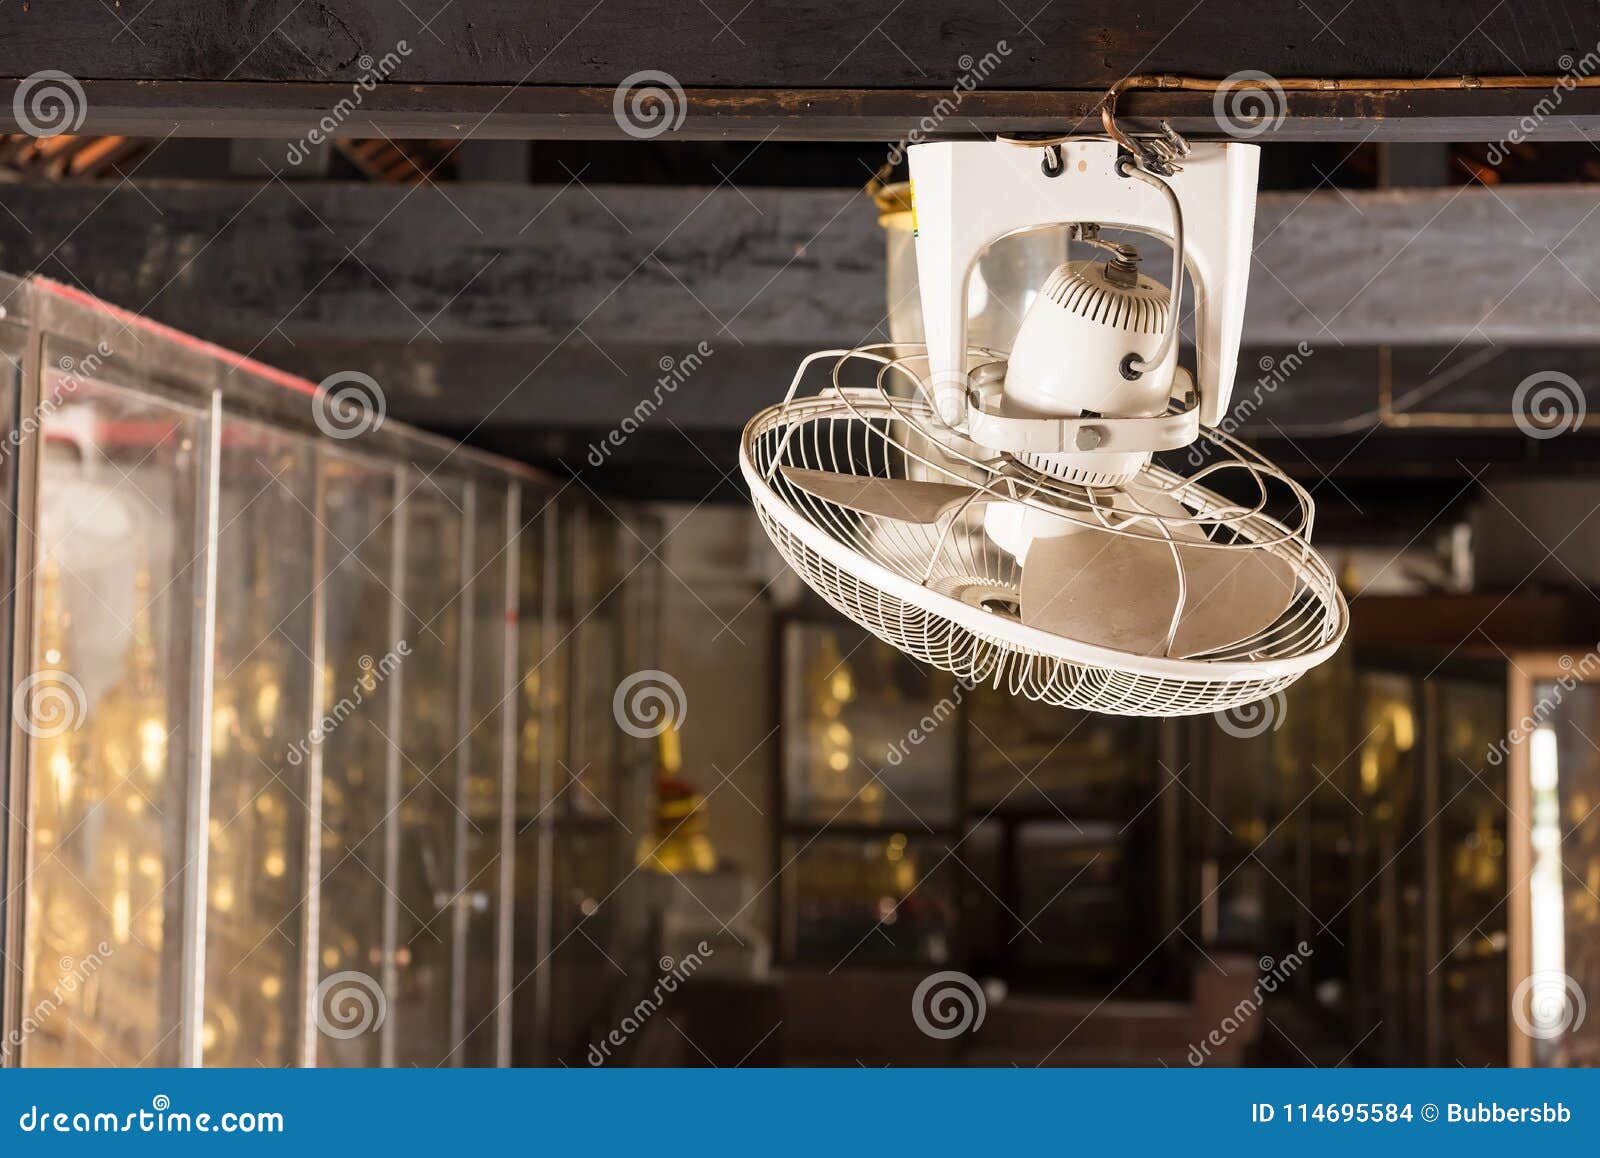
pixel 988 426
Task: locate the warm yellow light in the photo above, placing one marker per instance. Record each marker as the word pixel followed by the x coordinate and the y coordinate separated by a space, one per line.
pixel 223 719
pixel 121 901
pixel 271 987
pixel 267 705
pixel 275 864
pixel 153 748
pixel 1405 728
pixel 61 773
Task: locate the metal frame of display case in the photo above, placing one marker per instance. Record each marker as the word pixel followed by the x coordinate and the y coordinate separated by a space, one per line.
pixel 220 385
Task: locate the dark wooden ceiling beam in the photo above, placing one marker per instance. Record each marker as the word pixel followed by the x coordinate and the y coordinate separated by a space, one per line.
pixel 754 266
pixel 526 307
pixel 190 108
pixel 1067 44
pixel 812 69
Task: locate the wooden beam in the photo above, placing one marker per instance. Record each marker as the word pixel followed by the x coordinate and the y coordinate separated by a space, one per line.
pixel 668 266
pixel 817 69
pixel 1421 266
pixel 291 110
pixel 813 43
pixel 423 264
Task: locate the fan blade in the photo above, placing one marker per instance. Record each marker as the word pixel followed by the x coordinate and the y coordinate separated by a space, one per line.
pixel 890 498
pixel 1107 590
pixel 1120 592
pixel 1231 596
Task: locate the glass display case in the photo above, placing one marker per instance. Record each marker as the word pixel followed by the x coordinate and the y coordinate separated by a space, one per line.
pixel 925 822
pixel 1364 815
pixel 869 802
pixel 292 705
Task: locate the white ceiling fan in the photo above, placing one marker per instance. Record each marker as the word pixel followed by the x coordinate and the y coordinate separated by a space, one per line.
pixel 1005 518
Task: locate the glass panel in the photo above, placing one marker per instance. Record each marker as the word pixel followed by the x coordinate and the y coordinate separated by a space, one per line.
pixel 12 338
pixel 542 734
pixel 581 978
pixel 1471 829
pixel 359 529
pixel 870 736
pixel 1276 775
pixel 259 740
pixel 1075 889
pixel 588 787
pixel 484 777
pixel 867 900
pixel 1564 958
pixel 1386 889
pixel 430 736
pixel 1028 757
pixel 118 576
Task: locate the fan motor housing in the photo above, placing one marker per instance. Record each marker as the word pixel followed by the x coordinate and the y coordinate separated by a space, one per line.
pixel 1089 316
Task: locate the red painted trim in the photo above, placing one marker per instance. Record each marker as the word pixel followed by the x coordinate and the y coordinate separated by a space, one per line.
pixel 132 320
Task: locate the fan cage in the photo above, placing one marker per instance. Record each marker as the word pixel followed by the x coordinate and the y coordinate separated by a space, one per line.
pixel 904 582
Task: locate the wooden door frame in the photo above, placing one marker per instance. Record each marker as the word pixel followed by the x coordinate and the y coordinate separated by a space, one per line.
pixel 1524 670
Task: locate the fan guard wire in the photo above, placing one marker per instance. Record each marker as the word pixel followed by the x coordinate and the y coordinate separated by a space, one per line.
pixel 882 572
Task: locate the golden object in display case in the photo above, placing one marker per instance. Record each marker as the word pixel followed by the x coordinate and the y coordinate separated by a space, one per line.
pixel 679 843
